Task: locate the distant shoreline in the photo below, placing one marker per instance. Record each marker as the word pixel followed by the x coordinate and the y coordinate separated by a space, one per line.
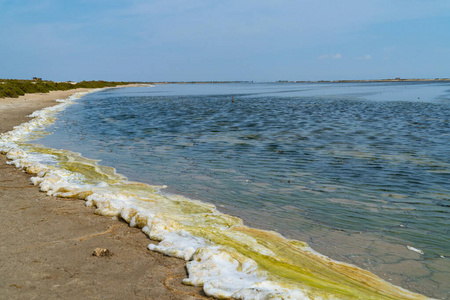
pixel 369 80
pixel 303 81
pixel 13 88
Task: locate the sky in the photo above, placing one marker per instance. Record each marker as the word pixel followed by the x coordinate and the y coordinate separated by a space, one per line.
pixel 226 40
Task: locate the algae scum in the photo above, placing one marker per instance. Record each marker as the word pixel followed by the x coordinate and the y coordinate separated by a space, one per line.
pixel 359 171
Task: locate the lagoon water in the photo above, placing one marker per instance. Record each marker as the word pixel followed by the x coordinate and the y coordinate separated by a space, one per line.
pixel 359 171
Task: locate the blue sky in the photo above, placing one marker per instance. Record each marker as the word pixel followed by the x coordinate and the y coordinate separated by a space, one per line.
pixel 261 40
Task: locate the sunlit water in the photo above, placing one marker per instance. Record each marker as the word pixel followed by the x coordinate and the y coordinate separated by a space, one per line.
pixel 359 171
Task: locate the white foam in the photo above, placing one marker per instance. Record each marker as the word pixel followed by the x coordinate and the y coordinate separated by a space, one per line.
pixel 414 249
pixel 41 117
pixel 226 275
pixel 220 273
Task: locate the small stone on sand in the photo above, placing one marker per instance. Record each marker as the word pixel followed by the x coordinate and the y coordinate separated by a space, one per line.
pixel 99 252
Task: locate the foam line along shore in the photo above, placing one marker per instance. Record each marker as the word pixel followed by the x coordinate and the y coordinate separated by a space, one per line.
pixel 225 257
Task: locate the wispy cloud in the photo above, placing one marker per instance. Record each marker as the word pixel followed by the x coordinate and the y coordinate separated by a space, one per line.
pixel 365 57
pixel 331 56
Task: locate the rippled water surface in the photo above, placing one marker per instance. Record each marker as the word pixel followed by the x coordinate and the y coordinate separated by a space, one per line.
pixel 359 171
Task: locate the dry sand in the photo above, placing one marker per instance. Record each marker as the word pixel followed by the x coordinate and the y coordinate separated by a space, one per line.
pixel 47 243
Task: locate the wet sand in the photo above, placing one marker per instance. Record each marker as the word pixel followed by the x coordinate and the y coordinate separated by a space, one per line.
pixel 48 243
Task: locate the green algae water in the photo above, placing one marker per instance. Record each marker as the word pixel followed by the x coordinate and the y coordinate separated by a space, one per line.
pixel 358 171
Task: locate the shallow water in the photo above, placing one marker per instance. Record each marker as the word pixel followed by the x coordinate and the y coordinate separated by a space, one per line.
pixel 359 171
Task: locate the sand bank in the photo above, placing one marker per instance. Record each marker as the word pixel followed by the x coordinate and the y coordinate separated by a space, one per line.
pixel 47 242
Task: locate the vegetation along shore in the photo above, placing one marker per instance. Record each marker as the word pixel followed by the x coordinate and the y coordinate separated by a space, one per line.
pixel 13 88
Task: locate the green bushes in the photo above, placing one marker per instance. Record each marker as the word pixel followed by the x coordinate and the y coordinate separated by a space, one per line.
pixel 8 90
pixel 13 88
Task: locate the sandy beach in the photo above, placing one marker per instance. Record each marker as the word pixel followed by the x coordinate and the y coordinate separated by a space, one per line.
pixel 48 243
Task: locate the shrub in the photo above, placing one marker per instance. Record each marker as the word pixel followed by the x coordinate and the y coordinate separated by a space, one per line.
pixel 13 88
